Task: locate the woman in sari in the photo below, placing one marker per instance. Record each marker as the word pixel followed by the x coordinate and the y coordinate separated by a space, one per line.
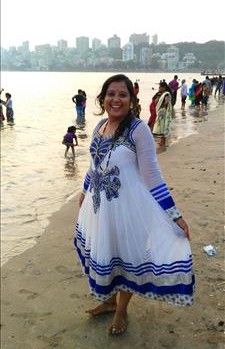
pixel 162 123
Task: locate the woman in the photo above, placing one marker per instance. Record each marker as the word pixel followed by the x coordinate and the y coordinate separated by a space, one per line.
pixel 183 93
pixel 152 109
pixel 164 112
pixel 130 237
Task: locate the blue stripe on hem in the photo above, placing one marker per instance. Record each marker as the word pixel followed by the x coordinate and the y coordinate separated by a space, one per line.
pixel 143 289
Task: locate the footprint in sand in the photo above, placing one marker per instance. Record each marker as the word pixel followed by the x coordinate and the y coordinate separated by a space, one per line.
pixel 63 270
pixel 74 295
pixel 30 294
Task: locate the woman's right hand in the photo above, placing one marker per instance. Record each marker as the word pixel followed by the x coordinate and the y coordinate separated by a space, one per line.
pixel 81 199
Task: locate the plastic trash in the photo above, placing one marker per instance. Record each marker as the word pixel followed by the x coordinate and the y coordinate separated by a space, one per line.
pixel 210 250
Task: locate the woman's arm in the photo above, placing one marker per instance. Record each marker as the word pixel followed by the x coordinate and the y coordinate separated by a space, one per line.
pixel 150 170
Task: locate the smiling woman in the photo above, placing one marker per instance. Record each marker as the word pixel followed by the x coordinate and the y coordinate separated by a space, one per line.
pixel 130 237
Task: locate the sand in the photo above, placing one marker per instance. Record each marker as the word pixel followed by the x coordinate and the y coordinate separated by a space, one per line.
pixel 44 293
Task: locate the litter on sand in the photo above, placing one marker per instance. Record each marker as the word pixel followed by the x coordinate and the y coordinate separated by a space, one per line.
pixel 210 250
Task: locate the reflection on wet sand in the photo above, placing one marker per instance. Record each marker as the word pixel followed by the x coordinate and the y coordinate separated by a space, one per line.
pixel 183 125
pixel 70 168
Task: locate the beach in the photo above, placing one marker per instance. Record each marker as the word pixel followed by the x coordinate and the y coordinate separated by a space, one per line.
pixel 45 295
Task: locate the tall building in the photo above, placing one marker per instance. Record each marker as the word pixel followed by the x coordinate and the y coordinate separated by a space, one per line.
pixel 96 44
pixel 155 39
pixel 114 42
pixel 82 44
pixel 138 39
pixel 128 52
pixel 145 56
pixel 62 45
pixel 172 57
pixel 24 49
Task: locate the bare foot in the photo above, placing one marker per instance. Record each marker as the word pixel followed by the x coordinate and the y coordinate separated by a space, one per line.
pixel 102 308
pixel 119 323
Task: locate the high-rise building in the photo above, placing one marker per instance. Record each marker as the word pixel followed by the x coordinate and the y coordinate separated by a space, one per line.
pixel 24 49
pixel 137 39
pixel 114 42
pixel 145 55
pixel 155 39
pixel 62 45
pixel 96 44
pixel 82 44
pixel 128 52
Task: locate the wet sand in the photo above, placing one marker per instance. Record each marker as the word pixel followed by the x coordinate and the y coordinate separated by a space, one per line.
pixel 44 293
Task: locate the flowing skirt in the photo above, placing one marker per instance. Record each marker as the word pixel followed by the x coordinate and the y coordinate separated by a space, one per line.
pixel 131 244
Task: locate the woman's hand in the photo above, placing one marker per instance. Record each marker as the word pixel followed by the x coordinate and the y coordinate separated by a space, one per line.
pixel 183 225
pixel 81 199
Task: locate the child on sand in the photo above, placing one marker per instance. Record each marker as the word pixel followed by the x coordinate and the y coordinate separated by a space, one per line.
pixel 68 140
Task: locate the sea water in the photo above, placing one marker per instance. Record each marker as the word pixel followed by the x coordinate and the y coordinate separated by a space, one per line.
pixel 36 179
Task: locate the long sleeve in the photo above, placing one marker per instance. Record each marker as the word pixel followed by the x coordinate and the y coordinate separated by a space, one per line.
pixel 150 170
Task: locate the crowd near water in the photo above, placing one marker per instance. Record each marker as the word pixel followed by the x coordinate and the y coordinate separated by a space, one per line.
pixel 39 173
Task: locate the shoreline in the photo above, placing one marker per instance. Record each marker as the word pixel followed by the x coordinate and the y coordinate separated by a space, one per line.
pixel 44 293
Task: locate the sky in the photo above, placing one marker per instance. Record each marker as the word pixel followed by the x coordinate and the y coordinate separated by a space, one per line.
pixel 47 21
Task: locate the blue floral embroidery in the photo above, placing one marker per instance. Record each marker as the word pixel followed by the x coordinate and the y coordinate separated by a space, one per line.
pixel 99 148
pixel 105 181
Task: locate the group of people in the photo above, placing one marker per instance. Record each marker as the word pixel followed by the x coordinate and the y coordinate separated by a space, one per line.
pixel 161 111
pixel 130 237
pixel 164 100
pixel 70 138
pixel 9 109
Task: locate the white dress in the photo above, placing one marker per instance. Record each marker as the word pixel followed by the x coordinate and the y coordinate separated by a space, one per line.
pixel 125 235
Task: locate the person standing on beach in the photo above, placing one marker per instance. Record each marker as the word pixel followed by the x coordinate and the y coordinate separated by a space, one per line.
pixel 79 101
pixel 9 108
pixel 183 93
pixel 219 85
pixel 174 86
pixel 164 112
pixel 130 236
pixel 137 110
pixel 2 116
pixel 68 140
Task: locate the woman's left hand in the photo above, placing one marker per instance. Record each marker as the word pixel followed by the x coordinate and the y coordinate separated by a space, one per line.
pixel 183 225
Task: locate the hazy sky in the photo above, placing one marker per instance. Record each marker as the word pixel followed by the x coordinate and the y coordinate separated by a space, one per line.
pixel 47 21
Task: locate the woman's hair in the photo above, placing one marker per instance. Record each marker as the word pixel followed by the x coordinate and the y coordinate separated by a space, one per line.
pixel 8 95
pixel 125 123
pixel 164 85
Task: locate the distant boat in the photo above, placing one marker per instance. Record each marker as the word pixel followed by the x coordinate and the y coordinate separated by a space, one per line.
pixel 213 72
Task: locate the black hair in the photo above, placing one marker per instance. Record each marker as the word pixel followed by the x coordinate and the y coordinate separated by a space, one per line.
pixel 125 123
pixel 165 85
pixel 71 129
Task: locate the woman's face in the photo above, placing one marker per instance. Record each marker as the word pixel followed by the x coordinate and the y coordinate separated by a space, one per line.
pixel 117 100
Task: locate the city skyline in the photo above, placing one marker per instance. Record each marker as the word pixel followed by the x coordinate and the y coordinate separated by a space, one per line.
pixel 46 21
